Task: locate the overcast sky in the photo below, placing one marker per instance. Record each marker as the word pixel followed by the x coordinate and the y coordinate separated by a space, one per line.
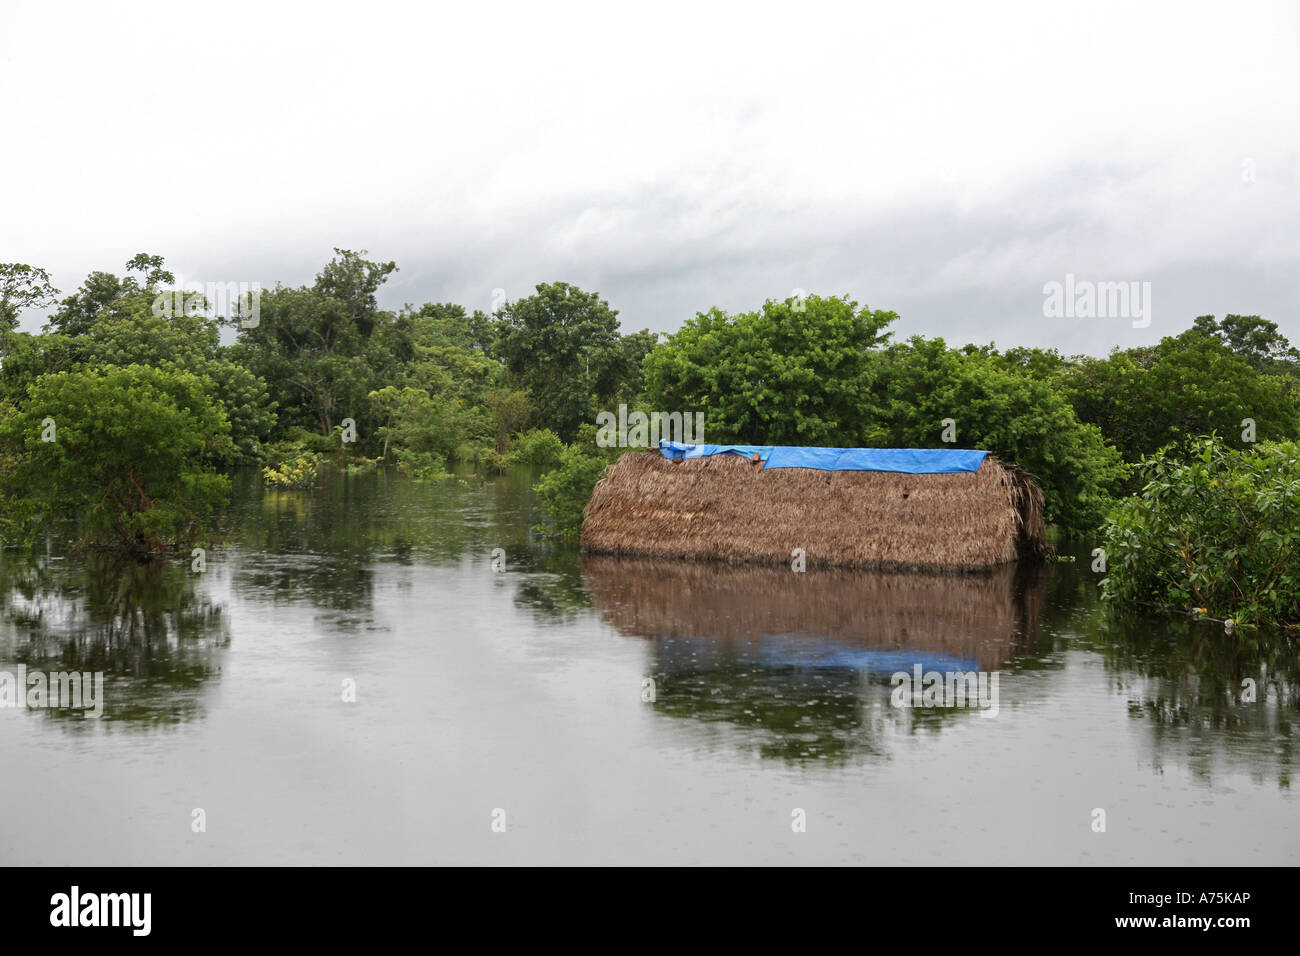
pixel 943 161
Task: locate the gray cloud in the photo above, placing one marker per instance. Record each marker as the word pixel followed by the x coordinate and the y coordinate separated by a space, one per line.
pixel 945 174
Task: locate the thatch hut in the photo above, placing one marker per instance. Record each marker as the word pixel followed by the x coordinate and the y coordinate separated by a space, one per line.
pixel 732 507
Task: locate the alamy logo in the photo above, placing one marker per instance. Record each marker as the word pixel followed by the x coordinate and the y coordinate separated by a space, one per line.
pixel 102 909
pixel 237 301
pixel 977 689
pixel 640 430
pixel 1084 299
pixel 57 690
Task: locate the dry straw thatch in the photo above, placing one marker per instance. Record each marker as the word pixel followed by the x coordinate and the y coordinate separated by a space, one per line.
pixel 731 509
pixel 985 618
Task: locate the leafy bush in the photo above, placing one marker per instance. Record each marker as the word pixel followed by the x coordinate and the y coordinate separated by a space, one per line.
pixel 362 465
pixel 565 490
pixel 300 472
pixel 797 372
pixel 1016 415
pixel 421 465
pixel 1220 531
pixel 539 446
pixel 496 462
pixel 467 454
pixel 302 442
pixel 127 453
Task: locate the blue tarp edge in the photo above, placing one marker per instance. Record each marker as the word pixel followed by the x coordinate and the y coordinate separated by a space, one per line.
pixel 912 461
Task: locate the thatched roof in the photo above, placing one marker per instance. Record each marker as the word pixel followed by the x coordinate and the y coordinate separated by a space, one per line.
pixel 732 509
pixel 987 619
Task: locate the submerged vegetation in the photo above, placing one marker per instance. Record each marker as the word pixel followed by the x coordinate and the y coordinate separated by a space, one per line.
pixel 121 421
pixel 129 454
pixel 1219 532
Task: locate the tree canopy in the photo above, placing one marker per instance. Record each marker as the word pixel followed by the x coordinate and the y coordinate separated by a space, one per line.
pixel 432 385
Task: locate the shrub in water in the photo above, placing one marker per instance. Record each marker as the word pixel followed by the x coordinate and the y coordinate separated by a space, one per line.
pixel 1220 531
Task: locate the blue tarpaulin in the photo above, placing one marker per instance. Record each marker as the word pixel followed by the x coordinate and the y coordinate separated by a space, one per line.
pixel 911 461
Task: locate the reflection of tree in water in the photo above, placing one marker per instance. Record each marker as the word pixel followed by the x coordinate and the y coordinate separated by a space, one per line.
pixel 322 545
pixel 1182 679
pixel 552 585
pixel 156 637
pixel 1185 680
pixel 802 662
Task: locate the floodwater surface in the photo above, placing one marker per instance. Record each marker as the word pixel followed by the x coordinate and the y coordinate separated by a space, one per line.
pixel 360 676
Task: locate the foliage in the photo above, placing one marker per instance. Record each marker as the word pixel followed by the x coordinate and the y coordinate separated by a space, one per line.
pixel 1220 531
pixel 131 334
pixel 792 373
pixel 126 453
pixel 509 410
pixel 417 423
pixel 1018 417
pixel 31 356
pixel 564 347
pixel 423 466
pixel 564 491
pixel 497 462
pixel 1189 385
pixel 22 287
pixel 539 446
pixel 326 346
pixel 437 384
pixel 300 472
pixel 1255 339
pixel 78 314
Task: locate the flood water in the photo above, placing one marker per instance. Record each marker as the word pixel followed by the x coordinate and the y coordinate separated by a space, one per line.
pixel 614 711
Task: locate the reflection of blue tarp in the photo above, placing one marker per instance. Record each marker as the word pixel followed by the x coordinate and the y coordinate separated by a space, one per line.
pixel 912 461
pixel 797 651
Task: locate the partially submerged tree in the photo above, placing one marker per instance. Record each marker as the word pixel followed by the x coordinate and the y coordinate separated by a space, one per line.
pixel 1218 531
pixel 127 455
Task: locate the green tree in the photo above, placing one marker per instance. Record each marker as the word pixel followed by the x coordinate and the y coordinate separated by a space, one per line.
pixel 1218 530
pixel 352 279
pixel 21 287
pixel 152 268
pixel 792 373
pixel 326 347
pixel 564 346
pixel 510 410
pixel 1189 385
pixel 77 313
pixel 102 291
pixel 30 357
pixel 126 454
pixel 418 425
pixel 130 334
pixel 996 406
pixel 1255 339
pixel 564 491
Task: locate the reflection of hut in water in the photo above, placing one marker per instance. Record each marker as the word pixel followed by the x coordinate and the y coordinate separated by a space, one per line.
pixel 889 509
pixel 864 620
pixel 800 664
